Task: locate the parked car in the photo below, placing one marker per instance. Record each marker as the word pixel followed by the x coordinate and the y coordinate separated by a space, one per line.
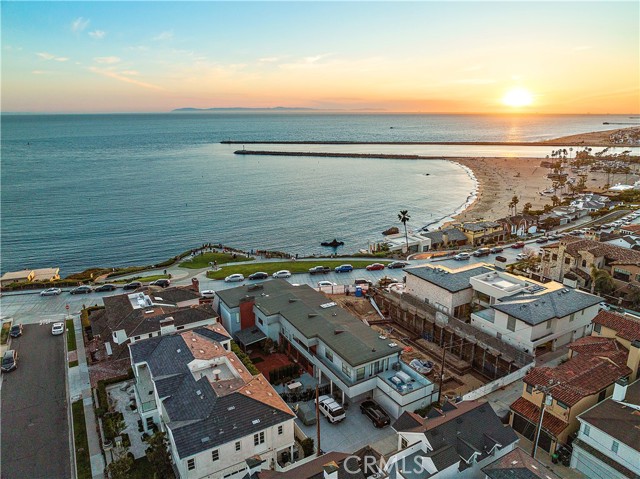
pixel 344 268
pixel 423 367
pixel 259 275
pixel 232 278
pixel 319 270
pixel 496 249
pixel 521 256
pixel 330 409
pixel 462 256
pixel 501 259
pixel 81 290
pixel 481 252
pixel 51 292
pixel 378 416
pixel 163 283
pixel 15 331
pixel 306 413
pixel 375 267
pixel 322 284
pixel 283 273
pixel 57 328
pixel 208 293
pixel 518 245
pixel 542 240
pixel 131 286
pixel 9 360
pixel 361 281
pixel 105 287
pixel 397 264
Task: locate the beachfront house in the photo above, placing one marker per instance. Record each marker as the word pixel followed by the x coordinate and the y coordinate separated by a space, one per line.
pixel 326 341
pixel 220 420
pixel 519 225
pixel 532 316
pixel 444 238
pixel 482 232
pixel 30 275
pixel 608 442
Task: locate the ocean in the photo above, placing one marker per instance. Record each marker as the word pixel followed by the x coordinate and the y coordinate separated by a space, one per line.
pixel 79 191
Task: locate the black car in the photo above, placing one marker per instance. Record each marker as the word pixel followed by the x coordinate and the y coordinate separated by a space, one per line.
pixel 377 415
pixel 9 361
pixel 163 283
pixel 259 275
pixel 542 240
pixel 132 285
pixel 319 270
pixel 397 264
pixel 105 287
pixel 81 290
pixel 16 330
pixel 496 249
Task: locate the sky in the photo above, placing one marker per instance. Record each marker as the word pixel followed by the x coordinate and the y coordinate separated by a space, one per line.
pixel 430 56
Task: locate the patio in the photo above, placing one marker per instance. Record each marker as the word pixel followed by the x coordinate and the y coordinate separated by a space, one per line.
pixel 121 395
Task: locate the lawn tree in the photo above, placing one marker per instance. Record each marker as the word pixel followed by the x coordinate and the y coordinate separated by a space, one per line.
pixel 119 469
pixel 158 454
pixel 526 208
pixel 601 281
pixel 403 216
pixel 514 203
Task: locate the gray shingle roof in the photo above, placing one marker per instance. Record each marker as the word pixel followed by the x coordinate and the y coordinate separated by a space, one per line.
pixel 453 282
pixel 480 225
pixel 538 308
pixel 436 237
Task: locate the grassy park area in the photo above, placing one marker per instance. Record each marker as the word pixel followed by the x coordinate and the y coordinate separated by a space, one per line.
pixel 293 266
pixel 202 260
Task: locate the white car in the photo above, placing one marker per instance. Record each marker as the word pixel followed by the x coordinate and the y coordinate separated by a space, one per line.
pixel 234 278
pixel 462 256
pixel 51 292
pixel 326 283
pixel 208 293
pixel 521 256
pixel 283 273
pixel 57 329
pixel 333 411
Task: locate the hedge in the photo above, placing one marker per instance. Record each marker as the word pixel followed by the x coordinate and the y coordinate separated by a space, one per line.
pixel 244 358
pixel 103 400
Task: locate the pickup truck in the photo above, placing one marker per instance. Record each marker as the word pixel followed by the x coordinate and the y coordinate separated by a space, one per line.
pixel 319 270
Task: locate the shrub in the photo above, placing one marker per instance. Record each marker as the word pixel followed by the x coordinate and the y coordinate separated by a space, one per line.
pixel 307 446
pixel 103 401
pixel 244 358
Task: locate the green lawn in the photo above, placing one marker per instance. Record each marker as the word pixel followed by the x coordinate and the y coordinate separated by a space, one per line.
pixel 73 364
pixel 71 335
pixel 143 279
pixel 202 260
pixel 142 469
pixel 83 461
pixel 4 336
pixel 293 266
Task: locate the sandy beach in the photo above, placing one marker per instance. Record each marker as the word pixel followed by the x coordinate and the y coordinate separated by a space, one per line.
pixel 599 138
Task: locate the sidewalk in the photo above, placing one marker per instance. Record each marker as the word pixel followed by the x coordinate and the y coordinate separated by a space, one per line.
pixel 80 388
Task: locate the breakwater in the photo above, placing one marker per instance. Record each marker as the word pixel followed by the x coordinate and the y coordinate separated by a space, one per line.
pixel 382 156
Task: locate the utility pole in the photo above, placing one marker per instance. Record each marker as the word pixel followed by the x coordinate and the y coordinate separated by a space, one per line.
pixel 545 393
pixel 444 352
pixel 318 419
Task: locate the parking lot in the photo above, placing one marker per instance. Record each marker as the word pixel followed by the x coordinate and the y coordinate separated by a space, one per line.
pixel 35 431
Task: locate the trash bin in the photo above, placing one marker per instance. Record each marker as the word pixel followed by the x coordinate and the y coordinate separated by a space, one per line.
pixel 358 291
pixel 554 458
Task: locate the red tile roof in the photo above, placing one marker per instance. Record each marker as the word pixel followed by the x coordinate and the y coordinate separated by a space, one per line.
pixel 594 344
pixel 626 326
pixel 597 249
pixel 531 412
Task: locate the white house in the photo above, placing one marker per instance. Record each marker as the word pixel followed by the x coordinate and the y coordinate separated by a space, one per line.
pixel 220 420
pixel 608 442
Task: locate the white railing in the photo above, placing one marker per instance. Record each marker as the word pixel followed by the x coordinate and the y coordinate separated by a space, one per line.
pixel 498 383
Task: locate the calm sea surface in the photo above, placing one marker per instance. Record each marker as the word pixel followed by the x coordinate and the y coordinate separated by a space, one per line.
pixel 108 190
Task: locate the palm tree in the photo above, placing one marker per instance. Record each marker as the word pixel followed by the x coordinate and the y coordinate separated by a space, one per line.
pixel 526 208
pixel 515 202
pixel 403 216
pixel 555 201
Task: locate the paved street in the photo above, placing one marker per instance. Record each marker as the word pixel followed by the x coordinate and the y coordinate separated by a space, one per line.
pixel 35 429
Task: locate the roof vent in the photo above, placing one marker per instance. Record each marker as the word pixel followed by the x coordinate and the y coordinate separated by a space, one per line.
pixel 204 439
pixel 292 300
pixel 231 408
pixel 312 315
pixel 198 392
pixel 193 339
pixel 178 350
pixel 148 311
pixel 338 331
pixel 255 421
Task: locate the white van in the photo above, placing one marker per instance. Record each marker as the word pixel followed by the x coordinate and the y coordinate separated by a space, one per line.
pixel 331 409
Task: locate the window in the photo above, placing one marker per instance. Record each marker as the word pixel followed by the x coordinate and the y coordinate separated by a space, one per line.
pixel 179 327
pixel 346 369
pixel 614 446
pixel 359 374
pixel 191 464
pixel 260 321
pixel 403 443
pixel 638 277
pixel 280 430
pixel 587 429
pixel 554 257
pixel 562 405
pixel 602 395
pixel 149 422
pixel 572 317
pixel 567 261
pixel 597 328
pixel 328 354
pixel 215 455
pixel 621 274
pixel 136 338
pixel 529 389
pixel 511 323
pixel 258 438
pixel 549 324
pixel 151 335
pixel 584 263
pixel 238 445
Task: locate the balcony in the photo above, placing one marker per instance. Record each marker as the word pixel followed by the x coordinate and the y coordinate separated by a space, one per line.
pixel 144 390
pixel 488 315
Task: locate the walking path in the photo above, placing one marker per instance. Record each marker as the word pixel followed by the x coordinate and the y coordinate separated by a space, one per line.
pixel 80 388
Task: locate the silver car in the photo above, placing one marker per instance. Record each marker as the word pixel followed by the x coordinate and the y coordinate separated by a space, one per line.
pixel 51 292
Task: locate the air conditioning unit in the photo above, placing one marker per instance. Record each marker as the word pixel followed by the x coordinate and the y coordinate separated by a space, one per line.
pixel 403 376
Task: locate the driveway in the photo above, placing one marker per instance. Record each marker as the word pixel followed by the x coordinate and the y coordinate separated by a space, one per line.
pixel 35 428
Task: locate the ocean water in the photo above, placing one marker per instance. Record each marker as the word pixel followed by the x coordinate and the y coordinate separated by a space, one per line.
pixel 107 190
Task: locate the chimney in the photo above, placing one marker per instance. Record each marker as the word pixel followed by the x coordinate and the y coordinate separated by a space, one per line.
pixel 620 389
pixel 330 470
pixel 195 285
pixel 633 359
pixel 167 325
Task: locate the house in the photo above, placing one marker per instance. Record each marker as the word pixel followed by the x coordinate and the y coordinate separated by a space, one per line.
pixel 448 290
pixel 456 441
pixel 444 238
pixel 220 420
pixel 594 364
pixel 518 464
pixel 627 241
pixel 326 341
pixel 590 202
pixel 483 232
pixel 29 275
pixel 128 318
pixel 578 256
pixel 46 274
pixel 633 229
pixel 608 442
pixel 531 316
pixel 624 328
pixel 519 225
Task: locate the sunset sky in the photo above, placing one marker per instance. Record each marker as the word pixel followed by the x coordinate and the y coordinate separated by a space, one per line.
pixel 540 57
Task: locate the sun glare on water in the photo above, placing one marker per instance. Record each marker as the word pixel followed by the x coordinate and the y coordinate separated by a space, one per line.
pixel 517 97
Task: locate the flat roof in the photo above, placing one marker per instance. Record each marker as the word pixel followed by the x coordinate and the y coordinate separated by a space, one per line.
pixel 453 280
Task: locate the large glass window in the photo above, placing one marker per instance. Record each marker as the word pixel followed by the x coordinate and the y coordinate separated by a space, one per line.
pixel 359 374
pixel 346 369
pixel 511 323
pixel 258 438
pixel 328 354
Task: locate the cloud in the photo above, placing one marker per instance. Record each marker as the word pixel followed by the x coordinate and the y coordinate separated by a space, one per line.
pixel 97 34
pixel 107 60
pixel 50 56
pixel 166 35
pixel 121 76
pixel 79 24
pixel 306 62
pixel 268 59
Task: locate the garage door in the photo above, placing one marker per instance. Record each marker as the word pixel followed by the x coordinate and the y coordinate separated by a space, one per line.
pixel 528 430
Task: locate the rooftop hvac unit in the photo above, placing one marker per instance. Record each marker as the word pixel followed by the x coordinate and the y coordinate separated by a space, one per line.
pixel 403 376
pixel 396 380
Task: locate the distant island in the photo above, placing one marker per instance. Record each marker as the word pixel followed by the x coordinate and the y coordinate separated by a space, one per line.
pixel 277 108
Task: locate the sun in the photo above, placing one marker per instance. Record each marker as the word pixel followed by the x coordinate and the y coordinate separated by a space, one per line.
pixel 517 97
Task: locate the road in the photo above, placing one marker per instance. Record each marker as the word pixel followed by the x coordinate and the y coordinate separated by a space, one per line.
pixel 35 431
